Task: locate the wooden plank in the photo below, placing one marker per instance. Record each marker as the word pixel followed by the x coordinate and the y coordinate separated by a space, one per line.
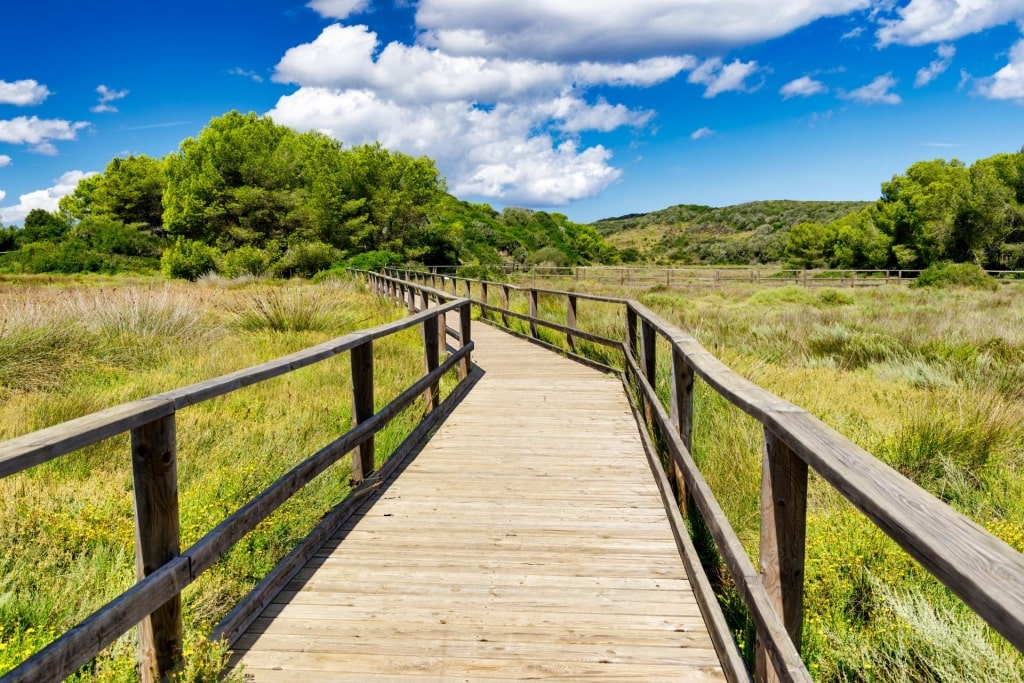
pixel 526 540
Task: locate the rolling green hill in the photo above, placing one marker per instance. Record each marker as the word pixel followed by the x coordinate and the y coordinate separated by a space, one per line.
pixel 754 232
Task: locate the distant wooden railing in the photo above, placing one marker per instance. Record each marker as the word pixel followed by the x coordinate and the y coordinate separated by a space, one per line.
pixel 154 602
pixel 671 277
pixel 986 573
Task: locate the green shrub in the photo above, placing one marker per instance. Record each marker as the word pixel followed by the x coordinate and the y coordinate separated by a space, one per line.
pixel 948 274
pixel 245 260
pixel 833 297
pixel 306 259
pixel 790 294
pixel 375 260
pixel 188 259
pixel 548 256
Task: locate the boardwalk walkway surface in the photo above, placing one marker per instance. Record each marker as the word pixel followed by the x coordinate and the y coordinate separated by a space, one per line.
pixel 527 541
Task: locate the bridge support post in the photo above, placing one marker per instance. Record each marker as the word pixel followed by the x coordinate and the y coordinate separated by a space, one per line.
pixel 504 304
pixel 412 299
pixel 432 355
pixel 465 319
pixel 783 534
pixel 648 364
pixel 570 321
pixel 631 340
pixel 442 327
pixel 682 418
pixel 362 407
pixel 483 296
pixel 533 312
pixel 157 539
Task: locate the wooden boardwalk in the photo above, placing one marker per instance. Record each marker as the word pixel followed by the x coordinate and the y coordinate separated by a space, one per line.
pixel 527 541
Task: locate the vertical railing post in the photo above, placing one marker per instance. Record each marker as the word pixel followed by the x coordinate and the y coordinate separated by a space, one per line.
pixel 631 341
pixel 570 320
pixel 412 299
pixel 469 288
pixel 483 296
pixel 362 408
pixel 648 363
pixel 157 539
pixel 682 418
pixel 442 327
pixel 533 312
pixel 783 534
pixel 432 357
pixel 504 304
pixel 465 318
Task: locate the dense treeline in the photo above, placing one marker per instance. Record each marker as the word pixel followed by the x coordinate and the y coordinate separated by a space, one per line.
pixel 937 211
pixel 250 196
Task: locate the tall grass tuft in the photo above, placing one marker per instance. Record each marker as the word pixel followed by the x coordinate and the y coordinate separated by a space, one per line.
pixel 293 309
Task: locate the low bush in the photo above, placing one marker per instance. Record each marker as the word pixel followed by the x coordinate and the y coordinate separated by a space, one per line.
pixel 188 259
pixel 948 274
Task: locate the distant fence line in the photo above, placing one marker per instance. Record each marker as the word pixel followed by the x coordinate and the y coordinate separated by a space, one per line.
pixel 719 276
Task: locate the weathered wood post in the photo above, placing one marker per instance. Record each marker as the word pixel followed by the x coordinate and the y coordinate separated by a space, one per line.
pixel 469 288
pixel 412 299
pixel 648 363
pixel 570 320
pixel 783 534
pixel 631 340
pixel 533 312
pixel 465 319
pixel 157 539
pixel 433 277
pixel 362 408
pixel 504 304
pixel 432 357
pixel 442 326
pixel 682 418
pixel 483 296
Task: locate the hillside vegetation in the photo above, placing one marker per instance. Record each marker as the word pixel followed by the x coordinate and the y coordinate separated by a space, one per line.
pixel 693 234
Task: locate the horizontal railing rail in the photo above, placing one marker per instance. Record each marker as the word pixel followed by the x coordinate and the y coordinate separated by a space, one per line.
pixel 714 275
pixel 986 573
pixel 163 571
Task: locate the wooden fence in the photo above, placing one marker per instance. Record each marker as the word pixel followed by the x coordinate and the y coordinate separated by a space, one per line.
pixel 673 277
pixel 154 602
pixel 986 573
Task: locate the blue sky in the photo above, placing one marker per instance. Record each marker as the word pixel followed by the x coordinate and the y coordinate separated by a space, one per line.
pixel 593 109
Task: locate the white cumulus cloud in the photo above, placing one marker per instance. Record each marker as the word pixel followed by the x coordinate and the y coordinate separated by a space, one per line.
pixel 36 131
pixel 497 127
pixel 574 30
pixel 1008 82
pixel 2 195
pixel 338 9
pixel 878 91
pixel 107 95
pixel 932 21
pixel 4 160
pixel 701 133
pixel 937 67
pixel 22 93
pixel 805 86
pixel 720 77
pixel 46 199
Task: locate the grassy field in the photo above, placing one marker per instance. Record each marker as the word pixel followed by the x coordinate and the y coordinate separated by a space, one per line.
pixel 930 381
pixel 70 347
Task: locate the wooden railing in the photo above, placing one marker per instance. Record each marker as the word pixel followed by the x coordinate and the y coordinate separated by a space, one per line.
pixel 154 602
pixel 986 573
pixel 671 277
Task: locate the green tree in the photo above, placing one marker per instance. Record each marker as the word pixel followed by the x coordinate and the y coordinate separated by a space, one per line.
pixel 41 225
pixel 398 194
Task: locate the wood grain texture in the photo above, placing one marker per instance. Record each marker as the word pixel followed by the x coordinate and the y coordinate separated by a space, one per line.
pixel 527 541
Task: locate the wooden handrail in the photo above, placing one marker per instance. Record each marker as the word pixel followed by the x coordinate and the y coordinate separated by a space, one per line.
pixel 163 572
pixel 986 573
